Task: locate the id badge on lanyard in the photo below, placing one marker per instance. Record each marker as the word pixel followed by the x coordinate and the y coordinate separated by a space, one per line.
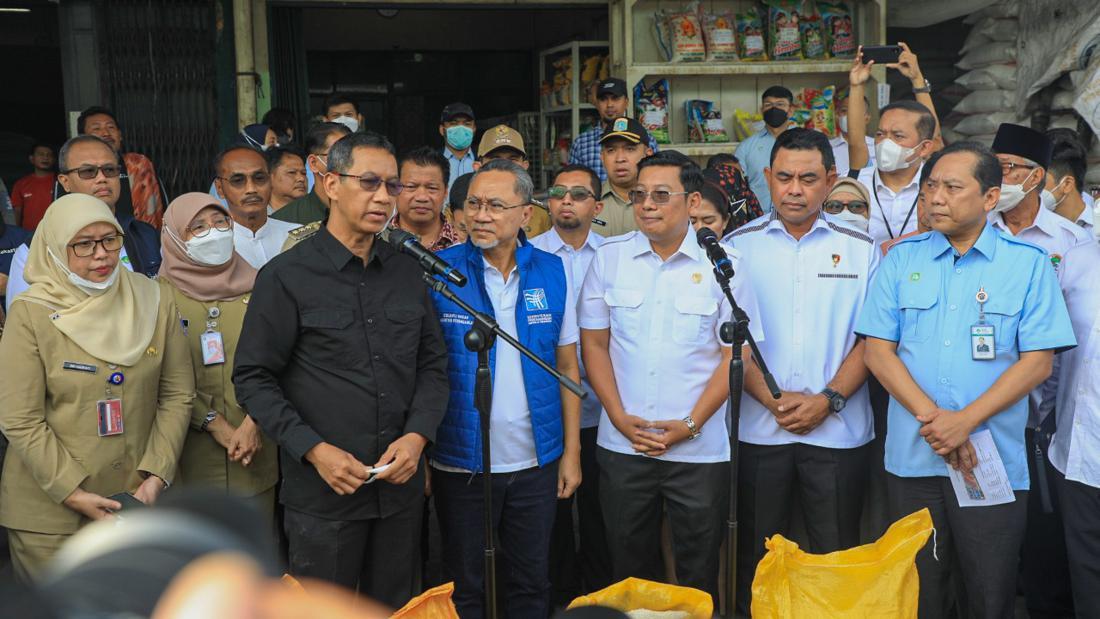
pixel 983 343
pixel 213 348
pixel 109 409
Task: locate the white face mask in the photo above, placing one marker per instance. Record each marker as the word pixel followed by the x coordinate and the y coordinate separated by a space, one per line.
pixel 351 123
pixel 843 122
pixel 859 222
pixel 1012 195
pixel 214 249
pixel 90 288
pixel 891 156
pixel 1048 200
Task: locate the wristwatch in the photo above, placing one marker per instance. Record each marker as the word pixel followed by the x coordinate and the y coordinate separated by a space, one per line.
pixel 836 401
pixel 927 88
pixel 210 417
pixel 695 433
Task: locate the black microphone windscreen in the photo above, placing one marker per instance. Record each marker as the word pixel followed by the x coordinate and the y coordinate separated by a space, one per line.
pixel 704 234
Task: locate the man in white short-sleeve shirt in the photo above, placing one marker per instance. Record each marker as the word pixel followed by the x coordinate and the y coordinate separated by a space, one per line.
pixel 650 313
pixel 811 273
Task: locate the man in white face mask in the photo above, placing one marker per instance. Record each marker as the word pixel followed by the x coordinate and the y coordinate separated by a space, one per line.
pixel 1066 178
pixel 342 109
pixel 840 142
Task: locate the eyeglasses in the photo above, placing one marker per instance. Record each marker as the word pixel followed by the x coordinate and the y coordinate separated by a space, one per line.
pixel 495 207
pixel 1007 167
pixel 833 207
pixel 659 196
pixel 430 188
pixel 84 249
pixel 88 172
pixel 201 229
pixel 370 183
pixel 238 181
pixel 558 192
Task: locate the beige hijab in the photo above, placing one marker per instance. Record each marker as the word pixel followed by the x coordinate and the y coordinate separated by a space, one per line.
pixel 198 281
pixel 115 326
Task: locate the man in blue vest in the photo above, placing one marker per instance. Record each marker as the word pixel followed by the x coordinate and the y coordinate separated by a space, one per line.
pixel 535 427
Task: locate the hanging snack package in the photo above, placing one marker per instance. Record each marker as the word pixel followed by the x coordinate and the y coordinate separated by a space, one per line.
pixel 784 38
pixel 836 20
pixel 823 111
pixel 813 37
pixel 651 109
pixel 704 122
pixel 750 35
pixel 685 35
pixel 719 31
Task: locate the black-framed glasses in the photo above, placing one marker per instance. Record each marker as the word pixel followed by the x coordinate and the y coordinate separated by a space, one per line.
pixel 237 181
pixel 578 193
pixel 1007 167
pixel 110 243
pixel 495 207
pixel 202 228
pixel 370 183
pixel 834 207
pixel 660 196
pixel 88 172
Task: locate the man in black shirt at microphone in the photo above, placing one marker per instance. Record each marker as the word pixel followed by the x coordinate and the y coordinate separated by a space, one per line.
pixel 342 362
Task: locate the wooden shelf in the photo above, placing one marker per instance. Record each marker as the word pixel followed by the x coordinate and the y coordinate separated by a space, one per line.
pixel 700 149
pixel 741 68
pixel 560 109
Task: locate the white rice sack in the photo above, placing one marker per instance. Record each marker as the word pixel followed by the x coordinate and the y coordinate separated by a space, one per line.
pixel 974 40
pixel 999 29
pixel 1003 74
pixel 979 124
pixel 994 53
pixel 987 101
pixel 1063 121
pixel 950 136
pixel 1063 100
pixel 978 79
pixel 1007 8
pixel 986 139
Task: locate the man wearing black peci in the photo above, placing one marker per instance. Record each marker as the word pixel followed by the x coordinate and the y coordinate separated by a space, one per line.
pixel 342 363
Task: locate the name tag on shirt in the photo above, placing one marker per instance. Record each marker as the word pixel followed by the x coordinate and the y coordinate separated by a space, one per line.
pixel 79 367
pixel 213 350
pixel 982 343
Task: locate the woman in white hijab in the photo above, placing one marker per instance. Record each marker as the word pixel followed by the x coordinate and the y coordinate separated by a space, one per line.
pixel 96 383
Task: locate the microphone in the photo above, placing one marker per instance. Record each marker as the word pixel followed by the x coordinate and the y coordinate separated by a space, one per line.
pixel 708 240
pixel 406 243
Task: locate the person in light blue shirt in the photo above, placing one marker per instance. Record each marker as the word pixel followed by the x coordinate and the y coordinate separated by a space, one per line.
pixel 933 296
pixel 457 126
pixel 756 151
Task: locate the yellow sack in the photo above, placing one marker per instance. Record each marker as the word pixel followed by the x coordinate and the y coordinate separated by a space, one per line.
pixel 875 580
pixel 638 594
pixel 435 603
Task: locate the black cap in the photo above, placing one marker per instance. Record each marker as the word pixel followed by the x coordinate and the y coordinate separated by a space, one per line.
pixel 1023 142
pixel 456 109
pixel 611 86
pixel 628 129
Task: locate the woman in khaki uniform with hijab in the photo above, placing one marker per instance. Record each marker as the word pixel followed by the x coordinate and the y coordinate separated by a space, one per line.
pixel 96 385
pixel 211 285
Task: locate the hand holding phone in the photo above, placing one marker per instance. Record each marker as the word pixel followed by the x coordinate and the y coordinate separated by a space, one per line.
pixel 881 54
pixel 127 500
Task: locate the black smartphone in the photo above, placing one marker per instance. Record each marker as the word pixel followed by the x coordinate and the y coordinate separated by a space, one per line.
pixel 127 500
pixel 881 54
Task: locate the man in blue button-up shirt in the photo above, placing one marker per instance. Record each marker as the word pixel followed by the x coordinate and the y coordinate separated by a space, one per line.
pixel 755 152
pixel 917 321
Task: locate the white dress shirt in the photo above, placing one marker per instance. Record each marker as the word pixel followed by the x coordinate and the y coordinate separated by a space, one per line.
pixel 892 214
pixel 576 262
pixel 811 290
pixel 1075 448
pixel 261 246
pixel 664 318
pixel 840 153
pixel 16 283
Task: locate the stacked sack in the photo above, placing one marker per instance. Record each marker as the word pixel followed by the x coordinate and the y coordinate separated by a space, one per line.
pixel 989 59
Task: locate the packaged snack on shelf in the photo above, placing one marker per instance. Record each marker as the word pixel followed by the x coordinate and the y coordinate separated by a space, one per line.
pixel 839 31
pixel 750 35
pixel 685 41
pixel 784 39
pixel 822 106
pixel 719 32
pixel 651 108
pixel 813 37
pixel 704 122
pixel 746 124
pixel 591 71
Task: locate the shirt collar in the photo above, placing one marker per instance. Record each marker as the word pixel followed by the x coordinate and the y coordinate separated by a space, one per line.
pixel 912 182
pixel 340 256
pixel 249 234
pixel 688 247
pixel 774 223
pixel 451 156
pixel 1042 222
pixel 986 244
pixel 554 242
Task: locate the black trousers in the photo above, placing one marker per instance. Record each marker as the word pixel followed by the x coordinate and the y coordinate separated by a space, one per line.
pixel 829 484
pixel 981 543
pixel 576 570
pixel 1044 568
pixel 696 497
pixel 1081 513
pixel 378 557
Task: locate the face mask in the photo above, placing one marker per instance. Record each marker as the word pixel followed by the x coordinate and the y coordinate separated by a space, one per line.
pixel 1048 200
pixel 283 139
pixel 459 137
pixel 843 124
pixel 214 249
pixel 89 287
pixel 351 123
pixel 891 156
pixel 775 117
pixel 1011 196
pixel 859 222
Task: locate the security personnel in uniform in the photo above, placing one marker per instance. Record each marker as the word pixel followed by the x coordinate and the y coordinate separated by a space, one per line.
pixel 934 297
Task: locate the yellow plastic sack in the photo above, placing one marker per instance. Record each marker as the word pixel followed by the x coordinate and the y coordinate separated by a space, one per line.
pixel 875 580
pixel 435 603
pixel 638 594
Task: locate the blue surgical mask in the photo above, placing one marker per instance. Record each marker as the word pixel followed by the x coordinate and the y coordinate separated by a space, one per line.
pixel 459 137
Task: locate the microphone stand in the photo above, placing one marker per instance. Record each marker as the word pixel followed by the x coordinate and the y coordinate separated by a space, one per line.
pixel 736 332
pixel 480 339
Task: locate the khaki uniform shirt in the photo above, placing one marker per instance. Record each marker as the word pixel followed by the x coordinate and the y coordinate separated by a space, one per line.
pixel 617 212
pixel 204 461
pixel 49 388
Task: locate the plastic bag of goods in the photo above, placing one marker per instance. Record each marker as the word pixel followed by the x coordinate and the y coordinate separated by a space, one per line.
pixel 985 55
pixel 750 35
pixel 784 37
pixel 811 33
pixel 980 124
pixel 822 107
pixel 720 34
pixel 746 124
pixel 704 122
pixel 840 36
pixel 651 108
pixel 680 36
pixel 987 101
pixel 644 598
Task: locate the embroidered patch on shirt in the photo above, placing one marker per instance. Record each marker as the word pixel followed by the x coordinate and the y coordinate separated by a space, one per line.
pixel 535 299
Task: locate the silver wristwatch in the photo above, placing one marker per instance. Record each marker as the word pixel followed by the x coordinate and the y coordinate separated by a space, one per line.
pixel 691 428
pixel 210 417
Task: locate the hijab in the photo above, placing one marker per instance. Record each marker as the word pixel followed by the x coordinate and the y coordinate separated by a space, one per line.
pixel 852 186
pixel 254 135
pixel 115 325
pixel 199 281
